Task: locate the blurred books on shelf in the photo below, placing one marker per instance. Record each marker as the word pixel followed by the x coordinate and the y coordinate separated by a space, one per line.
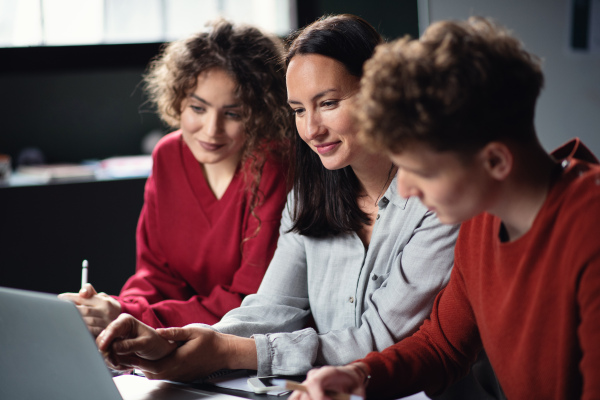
pixel 55 172
pixel 125 167
pixel 109 168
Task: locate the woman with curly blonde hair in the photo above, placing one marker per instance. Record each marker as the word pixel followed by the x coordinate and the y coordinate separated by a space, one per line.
pixel 213 203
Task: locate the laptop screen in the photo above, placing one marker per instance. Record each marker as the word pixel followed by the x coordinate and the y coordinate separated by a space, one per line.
pixel 47 351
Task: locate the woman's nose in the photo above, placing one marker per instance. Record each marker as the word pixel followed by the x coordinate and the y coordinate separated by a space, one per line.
pixel 212 124
pixel 313 127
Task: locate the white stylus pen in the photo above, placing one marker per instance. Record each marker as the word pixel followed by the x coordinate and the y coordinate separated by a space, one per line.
pixel 84 272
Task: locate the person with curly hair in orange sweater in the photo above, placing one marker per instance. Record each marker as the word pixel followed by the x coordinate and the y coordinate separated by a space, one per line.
pixel 454 111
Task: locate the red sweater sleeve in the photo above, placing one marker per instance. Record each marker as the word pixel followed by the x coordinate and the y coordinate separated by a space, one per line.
pixel 589 329
pixel 438 354
pixel 162 295
pixel 588 294
pixel 153 283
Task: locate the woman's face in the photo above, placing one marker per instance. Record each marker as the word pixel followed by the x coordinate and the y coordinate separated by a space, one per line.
pixel 319 91
pixel 211 119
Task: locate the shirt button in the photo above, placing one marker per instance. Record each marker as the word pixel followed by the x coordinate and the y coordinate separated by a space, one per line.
pixel 374 277
pixel 378 215
pixel 351 299
pixel 385 200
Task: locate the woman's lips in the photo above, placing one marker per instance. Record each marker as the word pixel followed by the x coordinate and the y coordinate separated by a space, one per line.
pixel 210 146
pixel 327 147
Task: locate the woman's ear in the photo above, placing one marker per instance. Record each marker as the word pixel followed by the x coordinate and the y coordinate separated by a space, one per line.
pixel 498 160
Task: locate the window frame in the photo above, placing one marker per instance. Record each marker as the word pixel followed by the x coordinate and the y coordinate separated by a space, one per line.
pixel 103 56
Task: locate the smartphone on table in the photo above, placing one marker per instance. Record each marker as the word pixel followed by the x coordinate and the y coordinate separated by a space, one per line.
pixel 263 384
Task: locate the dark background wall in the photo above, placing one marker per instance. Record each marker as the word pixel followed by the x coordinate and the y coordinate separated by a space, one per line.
pixel 84 102
pixel 74 103
pixel 47 231
pixel 391 18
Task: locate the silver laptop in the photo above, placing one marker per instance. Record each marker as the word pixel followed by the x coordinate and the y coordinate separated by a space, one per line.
pixel 47 352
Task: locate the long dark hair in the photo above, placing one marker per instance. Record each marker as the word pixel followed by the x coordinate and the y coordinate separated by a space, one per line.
pixel 325 201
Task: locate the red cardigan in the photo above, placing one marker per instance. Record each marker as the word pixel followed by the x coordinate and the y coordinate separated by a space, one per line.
pixel 189 264
pixel 533 303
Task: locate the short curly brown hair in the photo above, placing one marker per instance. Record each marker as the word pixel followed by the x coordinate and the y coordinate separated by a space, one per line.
pixel 459 87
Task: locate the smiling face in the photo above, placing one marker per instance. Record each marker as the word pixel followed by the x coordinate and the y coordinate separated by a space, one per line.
pixel 455 189
pixel 319 91
pixel 211 120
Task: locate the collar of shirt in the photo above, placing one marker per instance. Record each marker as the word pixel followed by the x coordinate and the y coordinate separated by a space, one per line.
pixel 391 195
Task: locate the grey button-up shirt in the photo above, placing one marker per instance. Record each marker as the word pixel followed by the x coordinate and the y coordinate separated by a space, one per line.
pixel 360 299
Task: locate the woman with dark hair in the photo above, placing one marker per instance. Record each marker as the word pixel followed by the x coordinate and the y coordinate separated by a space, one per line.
pixel 325 199
pixel 356 267
pixel 213 203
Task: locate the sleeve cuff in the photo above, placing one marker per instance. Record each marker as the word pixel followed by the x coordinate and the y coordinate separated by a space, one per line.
pixel 263 355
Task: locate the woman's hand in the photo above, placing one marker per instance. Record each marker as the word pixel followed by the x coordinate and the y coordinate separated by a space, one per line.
pixel 202 351
pixel 178 354
pixel 322 382
pixel 97 309
pixel 128 343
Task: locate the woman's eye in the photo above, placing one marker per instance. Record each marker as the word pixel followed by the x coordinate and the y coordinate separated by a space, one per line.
pixel 233 115
pixel 329 103
pixel 197 109
pixel 298 111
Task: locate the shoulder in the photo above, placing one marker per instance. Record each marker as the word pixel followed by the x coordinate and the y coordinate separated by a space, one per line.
pixel 579 180
pixel 168 143
pixel 582 179
pixel 166 158
pixel 274 164
pixel 576 196
pixel 571 215
pixel 274 173
pixel 578 183
pixel 571 219
pixel 575 149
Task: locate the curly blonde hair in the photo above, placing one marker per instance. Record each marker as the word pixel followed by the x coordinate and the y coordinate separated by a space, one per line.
pixel 460 86
pixel 253 59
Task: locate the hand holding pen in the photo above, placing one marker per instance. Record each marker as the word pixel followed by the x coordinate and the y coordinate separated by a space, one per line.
pixel 97 309
pixel 87 291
